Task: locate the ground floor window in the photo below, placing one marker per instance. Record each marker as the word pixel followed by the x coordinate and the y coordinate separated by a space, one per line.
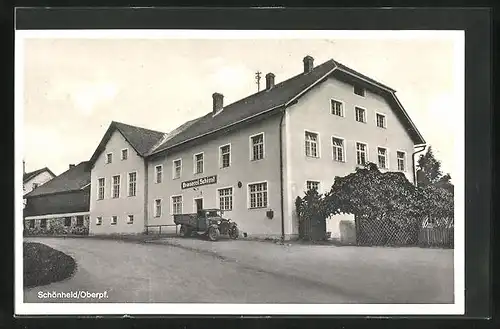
pixel 98 220
pixel 79 220
pixel 177 204
pixel 67 221
pixel 258 195
pixel 43 223
pixel 114 220
pixel 157 207
pixel 130 219
pixel 312 185
pixel 32 223
pixel 226 198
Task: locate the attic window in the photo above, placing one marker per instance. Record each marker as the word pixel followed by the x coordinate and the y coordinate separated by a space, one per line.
pixel 109 158
pixel 360 91
pixel 124 154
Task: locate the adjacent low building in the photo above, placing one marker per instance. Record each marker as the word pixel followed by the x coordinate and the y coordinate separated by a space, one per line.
pixel 60 206
pixel 253 157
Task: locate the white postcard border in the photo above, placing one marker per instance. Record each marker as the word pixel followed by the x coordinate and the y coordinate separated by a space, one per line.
pixel 457 307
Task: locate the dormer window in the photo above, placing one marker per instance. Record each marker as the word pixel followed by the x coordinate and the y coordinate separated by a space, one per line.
pixel 360 91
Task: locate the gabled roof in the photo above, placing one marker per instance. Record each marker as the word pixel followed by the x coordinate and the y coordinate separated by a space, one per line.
pixel 281 95
pixel 72 179
pixel 141 139
pixel 29 175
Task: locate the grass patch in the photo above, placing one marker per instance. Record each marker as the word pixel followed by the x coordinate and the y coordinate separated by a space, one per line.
pixel 44 265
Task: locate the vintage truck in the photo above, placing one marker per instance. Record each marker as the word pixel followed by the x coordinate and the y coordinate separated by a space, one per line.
pixel 206 222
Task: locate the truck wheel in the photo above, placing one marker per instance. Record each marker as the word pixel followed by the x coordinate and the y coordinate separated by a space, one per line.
pixel 184 231
pixel 213 234
pixel 234 233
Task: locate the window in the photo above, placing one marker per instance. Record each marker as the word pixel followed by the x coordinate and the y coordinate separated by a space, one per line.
pixel 257 146
pixel 381 120
pixel 177 204
pixel 98 220
pixel 32 223
pixel 361 156
pixel 360 114
pixel 124 154
pixel 35 185
pixel 177 168
pixel 79 220
pixel 338 149
pixel 359 91
pixel 312 185
pixel 157 210
pixel 401 160
pixel 226 198
pixel 132 183
pixel 158 174
pixel 225 155
pixel 109 158
pixel 382 158
pixel 43 223
pixel 130 219
pixel 258 195
pixel 337 107
pixel 101 184
pixel 114 220
pixel 116 186
pixel 67 221
pixel 311 144
pixel 198 163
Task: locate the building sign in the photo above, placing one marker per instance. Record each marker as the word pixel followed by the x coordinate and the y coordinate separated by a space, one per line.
pixel 199 182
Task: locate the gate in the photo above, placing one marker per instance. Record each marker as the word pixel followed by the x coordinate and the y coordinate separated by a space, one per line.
pixel 312 229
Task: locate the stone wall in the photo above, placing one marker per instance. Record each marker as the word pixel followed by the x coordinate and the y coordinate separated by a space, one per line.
pixel 57 226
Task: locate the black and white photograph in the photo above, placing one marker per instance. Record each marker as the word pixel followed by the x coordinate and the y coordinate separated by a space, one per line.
pixel 248 172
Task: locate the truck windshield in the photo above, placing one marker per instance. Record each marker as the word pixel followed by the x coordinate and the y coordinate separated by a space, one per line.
pixel 212 213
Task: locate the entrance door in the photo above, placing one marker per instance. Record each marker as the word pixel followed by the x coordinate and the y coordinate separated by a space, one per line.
pixel 199 204
pixel 202 221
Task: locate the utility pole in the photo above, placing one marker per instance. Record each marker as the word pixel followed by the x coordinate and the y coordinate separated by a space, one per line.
pixel 257 78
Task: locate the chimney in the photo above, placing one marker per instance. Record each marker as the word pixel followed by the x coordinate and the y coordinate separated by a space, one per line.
pixel 218 102
pixel 24 167
pixel 71 166
pixel 269 81
pixel 308 64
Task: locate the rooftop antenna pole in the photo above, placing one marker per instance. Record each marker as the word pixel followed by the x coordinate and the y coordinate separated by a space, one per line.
pixel 257 78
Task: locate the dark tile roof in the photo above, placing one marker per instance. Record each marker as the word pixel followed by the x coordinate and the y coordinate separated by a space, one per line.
pixel 280 95
pixel 250 106
pixel 29 175
pixel 73 179
pixel 141 139
pixel 356 73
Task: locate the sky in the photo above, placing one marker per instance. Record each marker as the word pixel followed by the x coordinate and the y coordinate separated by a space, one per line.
pixel 74 88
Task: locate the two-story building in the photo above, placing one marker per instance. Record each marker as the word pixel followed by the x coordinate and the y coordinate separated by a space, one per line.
pixel 118 191
pixel 253 157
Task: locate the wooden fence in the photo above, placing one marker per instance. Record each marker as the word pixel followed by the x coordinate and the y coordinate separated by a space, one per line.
pixel 436 236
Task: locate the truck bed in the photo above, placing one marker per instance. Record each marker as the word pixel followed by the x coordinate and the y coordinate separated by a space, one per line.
pixel 186 219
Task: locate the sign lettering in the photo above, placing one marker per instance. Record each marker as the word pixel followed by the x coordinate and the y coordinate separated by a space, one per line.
pixel 199 182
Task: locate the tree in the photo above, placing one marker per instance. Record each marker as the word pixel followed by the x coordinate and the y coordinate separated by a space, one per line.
pixel 311 209
pixel 370 193
pixel 429 172
pixel 388 209
pixel 386 206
